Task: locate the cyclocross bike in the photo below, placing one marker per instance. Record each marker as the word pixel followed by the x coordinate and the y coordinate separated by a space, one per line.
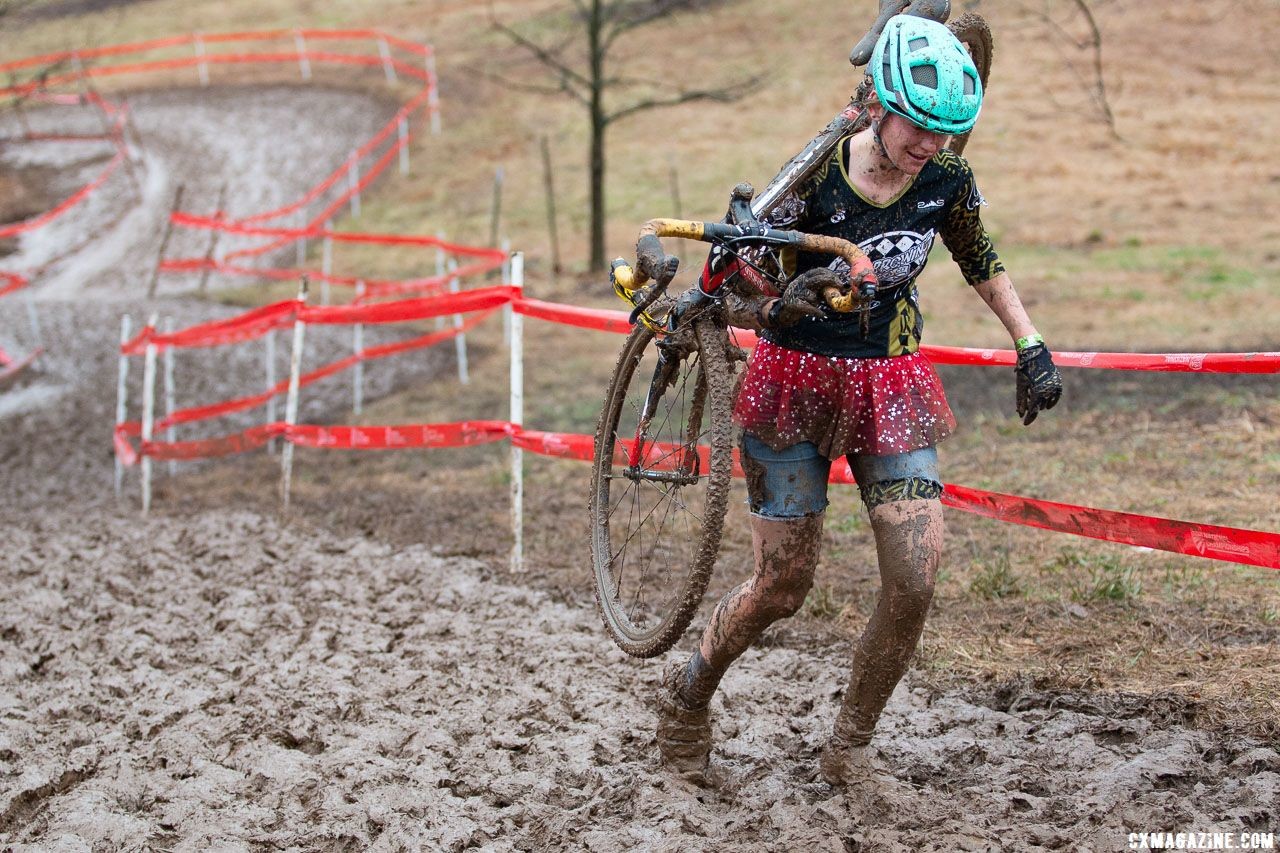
pixel 664 453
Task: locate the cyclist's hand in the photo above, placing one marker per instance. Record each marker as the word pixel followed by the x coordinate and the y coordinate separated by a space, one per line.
pixel 802 298
pixel 1039 383
pixel 651 260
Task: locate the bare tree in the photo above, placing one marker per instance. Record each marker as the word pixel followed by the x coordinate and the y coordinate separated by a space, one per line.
pixel 1090 41
pixel 577 66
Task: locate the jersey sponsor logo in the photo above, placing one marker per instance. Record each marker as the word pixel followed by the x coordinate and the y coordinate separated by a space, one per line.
pixel 975 199
pixel 898 256
pixel 930 205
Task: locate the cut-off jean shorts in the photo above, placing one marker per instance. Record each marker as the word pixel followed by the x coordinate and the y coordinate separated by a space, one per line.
pixel 794 480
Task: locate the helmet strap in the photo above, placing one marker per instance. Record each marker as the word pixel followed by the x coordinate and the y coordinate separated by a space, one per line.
pixel 875 134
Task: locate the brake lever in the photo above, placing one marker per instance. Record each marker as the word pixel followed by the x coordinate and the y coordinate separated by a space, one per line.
pixel 652 291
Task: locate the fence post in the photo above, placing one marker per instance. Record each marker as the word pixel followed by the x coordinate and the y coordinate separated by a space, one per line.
pixel 326 263
pixel 517 416
pixel 402 127
pixel 164 241
pixel 495 208
pixel 505 274
pixel 459 340
pixel 440 269
pixel 271 384
pixel 148 414
pixel 357 340
pixel 33 320
pixel 433 94
pixel 385 53
pixel 202 66
pixel 303 61
pixel 168 393
pixel 122 391
pixel 548 180
pixel 215 233
pixel 353 183
pixel 291 403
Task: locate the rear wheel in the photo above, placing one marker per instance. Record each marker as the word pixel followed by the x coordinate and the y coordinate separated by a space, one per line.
pixel 660 483
pixel 972 31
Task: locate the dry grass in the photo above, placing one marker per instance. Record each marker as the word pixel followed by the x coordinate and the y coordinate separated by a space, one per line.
pixel 1163 241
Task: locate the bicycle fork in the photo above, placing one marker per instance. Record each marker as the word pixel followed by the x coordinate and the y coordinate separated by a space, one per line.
pixel 687 470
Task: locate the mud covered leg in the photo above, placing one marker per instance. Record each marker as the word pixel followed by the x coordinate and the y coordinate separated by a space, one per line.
pixel 908 543
pixel 786 555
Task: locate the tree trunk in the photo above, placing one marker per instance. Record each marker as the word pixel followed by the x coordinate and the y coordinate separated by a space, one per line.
pixel 598 124
pixel 597 194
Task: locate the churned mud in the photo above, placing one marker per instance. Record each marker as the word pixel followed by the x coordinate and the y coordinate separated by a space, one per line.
pixel 229 680
pixel 218 678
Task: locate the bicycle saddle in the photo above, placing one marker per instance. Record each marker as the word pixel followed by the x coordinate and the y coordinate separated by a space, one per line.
pixel 937 10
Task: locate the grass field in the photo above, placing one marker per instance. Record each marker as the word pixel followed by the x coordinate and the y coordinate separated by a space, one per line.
pixel 1165 239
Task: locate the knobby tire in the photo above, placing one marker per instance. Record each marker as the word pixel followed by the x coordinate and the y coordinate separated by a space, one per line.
pixel 708 417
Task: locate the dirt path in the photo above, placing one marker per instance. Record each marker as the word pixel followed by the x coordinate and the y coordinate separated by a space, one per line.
pixel 229 681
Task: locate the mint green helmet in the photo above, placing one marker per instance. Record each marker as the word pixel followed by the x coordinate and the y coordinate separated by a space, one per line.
pixel 923 73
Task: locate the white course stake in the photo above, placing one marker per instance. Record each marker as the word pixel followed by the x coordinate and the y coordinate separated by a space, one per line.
pixel 353 184
pixel 303 61
pixel 460 339
pixel 122 391
pixel 387 67
pixel 301 243
pixel 168 392
pixel 271 384
pixel 505 274
pixel 357 344
pixel 326 263
pixel 402 127
pixel 440 268
pixel 33 320
pixel 433 94
pixel 202 66
pixel 517 417
pixel 148 414
pixel 291 403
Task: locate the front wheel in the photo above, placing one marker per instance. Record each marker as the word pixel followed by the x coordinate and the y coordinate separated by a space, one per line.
pixel 660 483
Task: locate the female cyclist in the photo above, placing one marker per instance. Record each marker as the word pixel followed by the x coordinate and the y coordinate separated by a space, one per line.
pixel 822 385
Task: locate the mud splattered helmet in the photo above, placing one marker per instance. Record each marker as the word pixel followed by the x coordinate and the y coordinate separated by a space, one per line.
pixel 923 73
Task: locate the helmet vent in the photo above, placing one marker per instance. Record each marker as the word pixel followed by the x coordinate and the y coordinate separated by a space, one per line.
pixel 970 86
pixel 917 44
pixel 927 76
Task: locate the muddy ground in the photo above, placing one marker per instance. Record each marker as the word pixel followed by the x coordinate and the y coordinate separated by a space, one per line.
pixel 219 678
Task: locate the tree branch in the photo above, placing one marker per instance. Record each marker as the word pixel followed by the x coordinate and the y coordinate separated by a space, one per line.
pixel 722 95
pixel 565 87
pixel 542 54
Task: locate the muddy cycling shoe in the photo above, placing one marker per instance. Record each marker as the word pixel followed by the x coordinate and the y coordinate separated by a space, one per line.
pixel 684 734
pixel 843 765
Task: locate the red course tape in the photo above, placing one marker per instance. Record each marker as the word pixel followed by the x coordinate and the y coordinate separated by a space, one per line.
pixel 1236 545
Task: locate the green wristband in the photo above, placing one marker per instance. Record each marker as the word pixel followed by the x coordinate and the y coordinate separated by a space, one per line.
pixel 1028 342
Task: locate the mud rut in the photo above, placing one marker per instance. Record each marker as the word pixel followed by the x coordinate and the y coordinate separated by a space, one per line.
pixel 227 681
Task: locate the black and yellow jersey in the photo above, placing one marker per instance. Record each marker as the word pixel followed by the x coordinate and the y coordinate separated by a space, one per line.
pixel 943 200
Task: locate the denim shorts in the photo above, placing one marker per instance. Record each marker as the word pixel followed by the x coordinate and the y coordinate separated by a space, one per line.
pixel 794 480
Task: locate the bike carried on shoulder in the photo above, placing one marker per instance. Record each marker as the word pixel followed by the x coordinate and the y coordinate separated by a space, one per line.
pixel 664 443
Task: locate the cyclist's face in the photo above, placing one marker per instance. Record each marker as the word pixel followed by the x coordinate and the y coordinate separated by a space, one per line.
pixel 909 146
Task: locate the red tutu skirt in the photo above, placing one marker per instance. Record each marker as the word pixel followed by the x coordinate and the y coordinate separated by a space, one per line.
pixel 877 406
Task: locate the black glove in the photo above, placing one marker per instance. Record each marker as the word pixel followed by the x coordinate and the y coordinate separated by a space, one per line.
pixel 802 298
pixel 1039 383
